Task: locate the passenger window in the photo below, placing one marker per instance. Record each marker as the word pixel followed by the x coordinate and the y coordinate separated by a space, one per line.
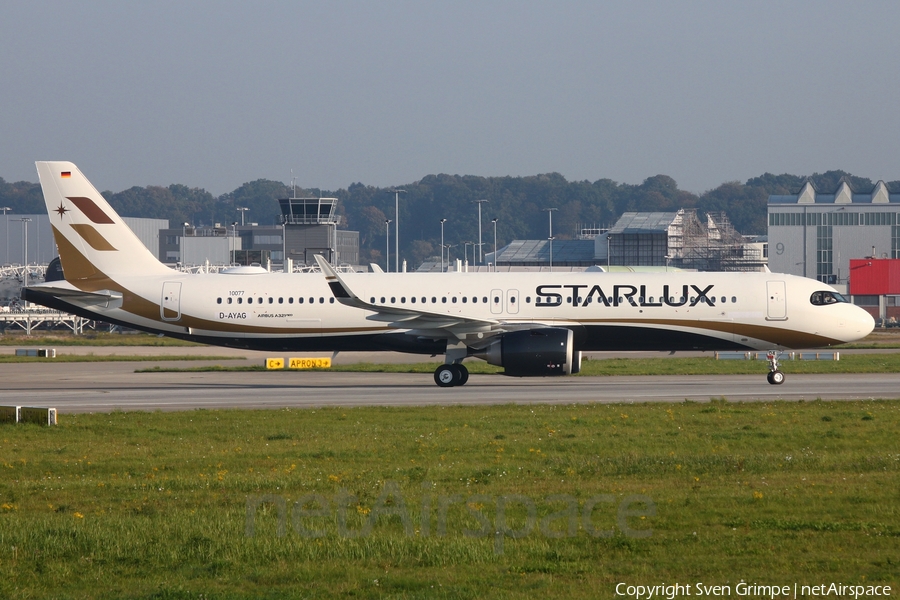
pixel 291 300
pixel 382 299
pixel 496 299
pixel 271 300
pixel 331 300
pixel 465 299
pixel 733 299
pixel 372 300
pixel 454 300
pixel 724 300
pixel 299 300
pixel 412 299
pixel 281 301
pixel 393 299
pixel 240 300
pixel 218 301
pixel 321 300
pixel 512 299
pixel 527 299
pixel 444 300
pixel 402 299
pixel 484 299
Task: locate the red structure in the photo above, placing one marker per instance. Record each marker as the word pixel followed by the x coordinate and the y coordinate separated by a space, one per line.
pixel 877 277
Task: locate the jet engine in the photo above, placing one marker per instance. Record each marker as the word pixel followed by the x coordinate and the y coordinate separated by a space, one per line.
pixel 542 352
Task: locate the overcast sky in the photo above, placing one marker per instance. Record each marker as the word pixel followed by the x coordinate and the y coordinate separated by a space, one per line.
pixel 214 94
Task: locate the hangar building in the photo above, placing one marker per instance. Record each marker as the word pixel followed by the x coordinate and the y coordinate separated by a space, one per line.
pixel 816 235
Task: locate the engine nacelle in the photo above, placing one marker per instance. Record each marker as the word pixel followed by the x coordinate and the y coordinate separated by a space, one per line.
pixel 534 353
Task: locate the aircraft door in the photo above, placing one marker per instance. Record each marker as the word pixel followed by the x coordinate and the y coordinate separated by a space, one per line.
pixel 496 302
pixel 512 302
pixel 170 306
pixel 776 301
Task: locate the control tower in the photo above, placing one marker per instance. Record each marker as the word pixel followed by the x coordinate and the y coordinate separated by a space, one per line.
pixel 311 227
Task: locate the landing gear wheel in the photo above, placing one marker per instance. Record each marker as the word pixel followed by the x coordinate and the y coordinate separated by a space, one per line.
pixel 447 375
pixel 451 375
pixel 463 374
pixel 775 377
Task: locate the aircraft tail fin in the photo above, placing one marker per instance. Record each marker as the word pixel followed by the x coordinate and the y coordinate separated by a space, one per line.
pixel 94 243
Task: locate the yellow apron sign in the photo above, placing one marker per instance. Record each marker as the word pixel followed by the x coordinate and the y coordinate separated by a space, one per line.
pixel 309 363
pixel 299 363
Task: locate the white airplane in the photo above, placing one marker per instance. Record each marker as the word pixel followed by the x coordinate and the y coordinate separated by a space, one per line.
pixel 531 324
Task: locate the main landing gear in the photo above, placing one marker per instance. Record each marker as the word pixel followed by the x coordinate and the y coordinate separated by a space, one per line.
pixel 451 375
pixel 452 372
pixel 775 377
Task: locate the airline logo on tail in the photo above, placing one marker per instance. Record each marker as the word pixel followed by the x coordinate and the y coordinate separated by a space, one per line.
pixel 88 232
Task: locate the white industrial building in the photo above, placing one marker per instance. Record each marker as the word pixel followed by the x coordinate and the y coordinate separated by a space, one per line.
pixel 42 246
pixel 815 234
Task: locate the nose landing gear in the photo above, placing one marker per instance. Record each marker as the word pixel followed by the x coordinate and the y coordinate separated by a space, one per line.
pixel 775 377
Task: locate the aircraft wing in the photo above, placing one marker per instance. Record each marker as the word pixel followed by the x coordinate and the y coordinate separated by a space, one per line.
pixel 423 322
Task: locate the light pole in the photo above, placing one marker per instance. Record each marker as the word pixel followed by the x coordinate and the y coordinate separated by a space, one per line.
pixel 494 221
pixel 442 244
pixel 243 209
pixel 480 253
pixel 184 227
pixel 448 246
pixel 387 245
pixel 397 228
pixel 549 212
pixel 25 222
pixel 233 240
pixel 5 218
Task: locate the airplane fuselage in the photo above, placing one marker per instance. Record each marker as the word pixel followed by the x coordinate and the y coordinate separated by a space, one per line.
pixel 607 311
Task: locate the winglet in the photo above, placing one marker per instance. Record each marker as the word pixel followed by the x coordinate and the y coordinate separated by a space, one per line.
pixel 340 291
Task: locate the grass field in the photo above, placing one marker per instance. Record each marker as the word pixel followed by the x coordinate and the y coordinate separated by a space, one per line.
pixel 89 339
pixel 408 502
pixel 11 358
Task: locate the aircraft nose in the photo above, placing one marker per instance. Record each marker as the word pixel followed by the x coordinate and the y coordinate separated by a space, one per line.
pixel 861 323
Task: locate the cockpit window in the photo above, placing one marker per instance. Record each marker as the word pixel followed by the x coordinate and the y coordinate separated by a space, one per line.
pixel 823 298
